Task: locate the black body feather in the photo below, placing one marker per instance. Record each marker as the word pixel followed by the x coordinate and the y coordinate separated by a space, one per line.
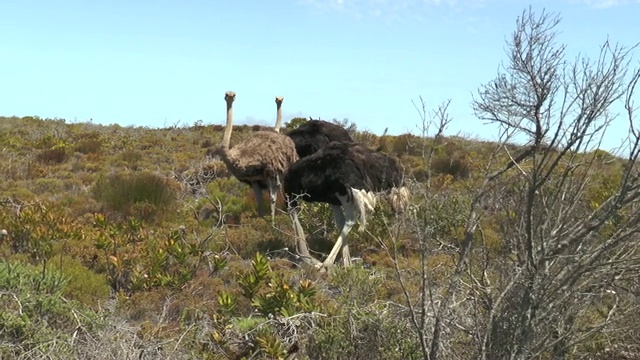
pixel 316 134
pixel 336 168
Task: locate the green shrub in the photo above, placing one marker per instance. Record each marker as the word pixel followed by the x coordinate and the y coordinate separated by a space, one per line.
pixel 53 150
pixel 407 144
pixel 232 195
pixel 379 331
pixel 131 156
pixel 119 192
pixel 53 156
pixel 38 228
pixel 456 166
pixel 294 123
pixel 83 285
pixel 87 142
pixel 50 142
pixel 89 146
pixel 49 186
pixel 33 312
pixel 258 235
pixel 276 299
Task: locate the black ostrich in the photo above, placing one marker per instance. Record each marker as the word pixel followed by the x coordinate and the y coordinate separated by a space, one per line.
pixel 313 135
pixel 348 176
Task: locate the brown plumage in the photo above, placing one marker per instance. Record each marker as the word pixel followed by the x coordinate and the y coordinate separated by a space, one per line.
pixel 259 161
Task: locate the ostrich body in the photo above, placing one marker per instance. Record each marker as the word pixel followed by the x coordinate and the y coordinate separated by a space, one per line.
pixel 348 176
pixel 313 135
pixel 259 161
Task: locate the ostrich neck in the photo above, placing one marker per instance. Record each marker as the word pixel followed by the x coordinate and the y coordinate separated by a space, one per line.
pixel 224 155
pixel 226 138
pixel 278 118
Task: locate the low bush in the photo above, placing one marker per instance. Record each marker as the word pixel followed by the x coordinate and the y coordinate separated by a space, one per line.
pixel 120 192
pixel 34 315
pixel 53 156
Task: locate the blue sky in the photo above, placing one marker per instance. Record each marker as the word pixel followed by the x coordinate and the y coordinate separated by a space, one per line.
pixel 160 63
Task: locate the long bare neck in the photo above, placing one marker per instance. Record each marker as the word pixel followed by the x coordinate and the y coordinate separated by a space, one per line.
pixel 279 100
pixel 229 97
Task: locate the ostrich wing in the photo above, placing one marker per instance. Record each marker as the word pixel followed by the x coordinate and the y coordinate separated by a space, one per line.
pixel 263 155
pixel 316 134
pixel 340 166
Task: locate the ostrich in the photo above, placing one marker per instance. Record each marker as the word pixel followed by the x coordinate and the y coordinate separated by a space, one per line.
pixel 259 161
pixel 316 134
pixel 348 176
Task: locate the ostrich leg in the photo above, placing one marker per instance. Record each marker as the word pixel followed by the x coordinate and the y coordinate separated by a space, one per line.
pixel 339 216
pixel 273 197
pixel 350 215
pixel 257 192
pixel 301 242
pixel 340 221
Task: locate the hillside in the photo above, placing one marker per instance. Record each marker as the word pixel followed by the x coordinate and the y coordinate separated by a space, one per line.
pixel 153 243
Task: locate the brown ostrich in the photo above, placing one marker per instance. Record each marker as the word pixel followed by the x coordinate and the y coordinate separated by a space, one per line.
pixel 259 161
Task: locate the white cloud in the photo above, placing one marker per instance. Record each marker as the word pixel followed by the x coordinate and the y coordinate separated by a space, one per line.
pixel 388 8
pixel 605 4
pixel 380 7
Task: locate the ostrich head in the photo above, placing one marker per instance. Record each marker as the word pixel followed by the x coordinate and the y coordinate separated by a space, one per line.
pixel 229 97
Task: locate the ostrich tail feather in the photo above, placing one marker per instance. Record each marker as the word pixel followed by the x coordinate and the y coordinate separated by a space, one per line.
pixel 399 198
pixel 364 201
